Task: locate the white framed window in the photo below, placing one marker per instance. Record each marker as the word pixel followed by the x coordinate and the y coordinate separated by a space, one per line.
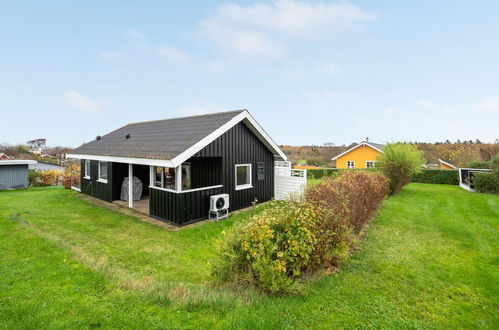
pixel 102 172
pixel 164 177
pixel 370 163
pixel 243 176
pixel 350 164
pixel 87 169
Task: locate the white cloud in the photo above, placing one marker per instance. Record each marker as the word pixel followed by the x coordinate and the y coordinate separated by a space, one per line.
pixel 137 44
pixel 75 99
pixel 254 30
pixel 172 54
pixel 489 104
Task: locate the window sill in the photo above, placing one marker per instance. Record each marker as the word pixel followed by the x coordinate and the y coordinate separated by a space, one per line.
pixel 86 177
pixel 246 186
pixel 102 180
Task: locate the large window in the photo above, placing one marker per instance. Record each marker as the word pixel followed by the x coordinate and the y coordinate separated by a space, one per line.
pixel 87 168
pixel 350 164
pixel 243 176
pixel 103 172
pixel 164 177
pixel 370 163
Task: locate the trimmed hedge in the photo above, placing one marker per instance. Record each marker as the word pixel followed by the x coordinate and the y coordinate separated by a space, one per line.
pixel 332 172
pixel 486 182
pixel 287 240
pixel 480 165
pixel 437 176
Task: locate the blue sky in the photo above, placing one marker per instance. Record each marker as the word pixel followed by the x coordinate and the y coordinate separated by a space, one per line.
pixel 309 72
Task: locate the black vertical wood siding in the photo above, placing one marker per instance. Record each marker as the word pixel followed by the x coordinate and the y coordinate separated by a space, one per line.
pixel 240 146
pixel 213 165
pixel 206 171
pixel 183 208
pixel 94 188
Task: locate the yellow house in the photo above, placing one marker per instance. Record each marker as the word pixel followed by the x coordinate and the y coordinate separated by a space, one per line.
pixel 363 155
pixel 443 165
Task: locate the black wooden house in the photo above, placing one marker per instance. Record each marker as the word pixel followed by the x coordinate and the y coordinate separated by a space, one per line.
pixel 181 162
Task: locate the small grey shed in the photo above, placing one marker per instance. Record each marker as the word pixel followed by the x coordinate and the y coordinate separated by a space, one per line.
pixel 14 174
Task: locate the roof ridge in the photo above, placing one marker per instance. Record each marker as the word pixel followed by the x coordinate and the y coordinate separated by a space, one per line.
pixel 187 117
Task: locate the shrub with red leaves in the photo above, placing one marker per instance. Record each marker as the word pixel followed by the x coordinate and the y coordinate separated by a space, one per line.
pixel 344 206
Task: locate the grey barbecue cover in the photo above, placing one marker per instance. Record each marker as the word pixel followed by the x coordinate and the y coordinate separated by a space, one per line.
pixel 136 189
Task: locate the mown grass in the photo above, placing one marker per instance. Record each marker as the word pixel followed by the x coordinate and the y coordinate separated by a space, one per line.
pixel 428 260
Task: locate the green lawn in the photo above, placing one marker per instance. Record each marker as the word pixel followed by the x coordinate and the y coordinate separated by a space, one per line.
pixel 430 259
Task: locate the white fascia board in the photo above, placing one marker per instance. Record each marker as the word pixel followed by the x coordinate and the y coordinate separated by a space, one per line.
pixel 262 135
pixel 17 162
pixel 125 160
pixel 446 163
pixel 355 147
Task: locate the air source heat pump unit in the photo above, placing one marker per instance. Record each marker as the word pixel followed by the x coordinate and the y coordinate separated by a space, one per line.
pixel 219 206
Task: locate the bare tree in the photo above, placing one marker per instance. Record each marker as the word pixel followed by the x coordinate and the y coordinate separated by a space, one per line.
pixel 37 143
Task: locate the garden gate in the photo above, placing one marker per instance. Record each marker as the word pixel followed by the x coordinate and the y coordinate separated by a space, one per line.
pixel 288 181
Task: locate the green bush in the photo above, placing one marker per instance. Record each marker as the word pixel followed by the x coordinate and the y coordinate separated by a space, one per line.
pixel 399 162
pixel 34 178
pixel 322 172
pixel 494 163
pixel 479 165
pixel 486 182
pixel 332 172
pixel 291 238
pixel 271 251
pixel 344 206
pixel 437 176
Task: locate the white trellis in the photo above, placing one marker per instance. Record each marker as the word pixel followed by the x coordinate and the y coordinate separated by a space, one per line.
pixel 288 181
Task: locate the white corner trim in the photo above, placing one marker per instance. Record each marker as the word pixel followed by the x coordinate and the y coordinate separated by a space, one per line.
pixel 355 147
pixel 125 160
pixel 254 126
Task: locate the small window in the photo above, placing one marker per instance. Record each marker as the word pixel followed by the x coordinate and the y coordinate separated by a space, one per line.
pixel 369 164
pixel 87 169
pixel 260 171
pixel 243 176
pixel 350 164
pixel 103 171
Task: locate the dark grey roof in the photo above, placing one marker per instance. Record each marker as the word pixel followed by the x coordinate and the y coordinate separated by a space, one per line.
pixel 160 139
pixel 375 145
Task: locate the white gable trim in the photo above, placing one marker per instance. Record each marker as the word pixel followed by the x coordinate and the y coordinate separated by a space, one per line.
pixel 252 124
pixel 198 146
pixel 355 147
pixel 446 163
